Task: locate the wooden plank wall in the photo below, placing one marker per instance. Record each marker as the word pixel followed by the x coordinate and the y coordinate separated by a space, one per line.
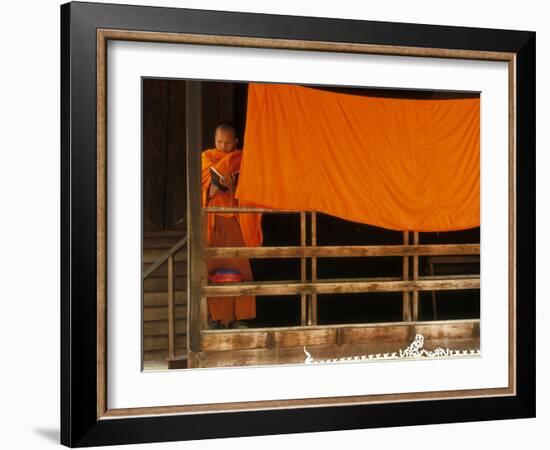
pixel 164 135
pixel 165 194
pixel 163 157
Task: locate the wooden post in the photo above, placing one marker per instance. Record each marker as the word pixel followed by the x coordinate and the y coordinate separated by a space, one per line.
pixel 195 246
pixel 171 310
pixel 434 306
pixel 303 309
pixel 313 298
pixel 204 274
pixel 406 296
pixel 203 313
pixel 415 314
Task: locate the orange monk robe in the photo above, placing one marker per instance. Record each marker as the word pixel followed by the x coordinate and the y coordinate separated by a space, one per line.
pixel 229 230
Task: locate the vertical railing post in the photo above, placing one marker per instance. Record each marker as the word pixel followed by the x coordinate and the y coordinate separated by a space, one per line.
pixel 303 299
pixel 313 299
pixel 195 245
pixel 171 310
pixel 204 272
pixel 203 313
pixel 415 314
pixel 406 294
pixel 434 306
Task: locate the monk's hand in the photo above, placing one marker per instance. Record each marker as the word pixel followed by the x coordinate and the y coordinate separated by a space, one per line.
pixel 228 181
pixel 213 190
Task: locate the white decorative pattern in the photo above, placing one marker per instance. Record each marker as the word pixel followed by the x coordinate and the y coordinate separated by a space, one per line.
pixel 414 351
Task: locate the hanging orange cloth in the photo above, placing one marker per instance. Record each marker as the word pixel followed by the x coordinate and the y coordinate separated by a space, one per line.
pixel 227 230
pixel 401 164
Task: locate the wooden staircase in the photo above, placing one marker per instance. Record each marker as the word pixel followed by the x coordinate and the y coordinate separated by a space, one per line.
pixel 155 300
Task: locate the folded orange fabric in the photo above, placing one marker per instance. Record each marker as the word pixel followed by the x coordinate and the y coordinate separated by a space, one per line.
pixel 225 163
pixel 401 164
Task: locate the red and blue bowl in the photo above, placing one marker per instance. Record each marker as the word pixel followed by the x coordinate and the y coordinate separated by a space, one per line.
pixel 226 276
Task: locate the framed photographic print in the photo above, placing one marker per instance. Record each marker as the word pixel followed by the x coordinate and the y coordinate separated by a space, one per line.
pixel 276 224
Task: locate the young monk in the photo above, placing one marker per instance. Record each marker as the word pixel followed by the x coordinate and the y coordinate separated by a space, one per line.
pixel 228 229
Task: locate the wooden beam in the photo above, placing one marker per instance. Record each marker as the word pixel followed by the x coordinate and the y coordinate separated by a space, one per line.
pixel 341 251
pixel 471 322
pixel 307 336
pixel 203 313
pixel 229 341
pixel 195 247
pixel 297 337
pixel 204 276
pixel 225 209
pixel 295 355
pixel 343 286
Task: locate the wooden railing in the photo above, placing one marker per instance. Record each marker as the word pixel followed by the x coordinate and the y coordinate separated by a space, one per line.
pixel 409 284
pixel 168 257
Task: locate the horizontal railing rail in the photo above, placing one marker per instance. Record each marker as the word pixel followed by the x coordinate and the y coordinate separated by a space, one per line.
pixel 340 251
pixel 343 286
pixel 345 325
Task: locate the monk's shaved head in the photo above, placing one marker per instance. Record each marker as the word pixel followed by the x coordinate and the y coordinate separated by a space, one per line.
pixel 226 137
pixel 227 126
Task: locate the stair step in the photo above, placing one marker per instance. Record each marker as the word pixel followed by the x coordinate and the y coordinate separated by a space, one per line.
pixel 162 241
pixel 160 284
pixel 150 255
pixel 160 327
pixel 180 269
pixel 161 298
pixel 161 355
pixel 161 313
pixel 155 297
pixel 169 233
pixel 161 342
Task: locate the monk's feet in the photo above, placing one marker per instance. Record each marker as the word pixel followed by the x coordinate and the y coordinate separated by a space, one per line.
pixel 218 325
pixel 215 325
pixel 238 324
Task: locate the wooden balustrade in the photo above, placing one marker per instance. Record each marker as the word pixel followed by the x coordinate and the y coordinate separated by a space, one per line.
pixel 410 283
pixel 169 258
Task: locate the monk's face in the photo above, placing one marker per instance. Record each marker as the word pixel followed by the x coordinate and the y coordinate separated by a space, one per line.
pixel 225 140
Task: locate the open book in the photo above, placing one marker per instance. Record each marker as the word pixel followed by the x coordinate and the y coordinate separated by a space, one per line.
pixel 215 178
